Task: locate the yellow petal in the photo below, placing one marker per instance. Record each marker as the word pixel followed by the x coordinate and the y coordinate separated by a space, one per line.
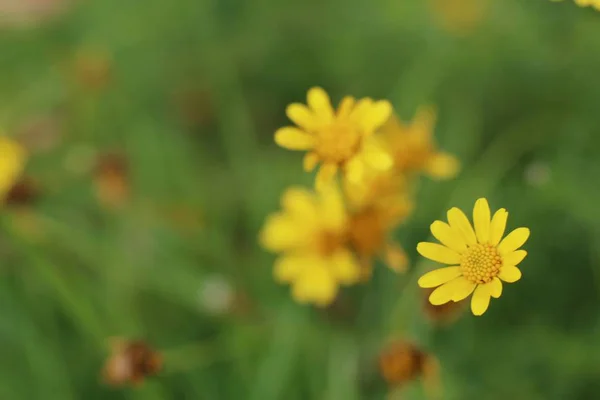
pixel 12 162
pixel 325 175
pixel 513 241
pixel 481 220
pixel 302 116
pixel 509 273
pixel 495 288
pixel 498 226
pixel 480 300
pixel 310 161
pixel 439 253
pixel 376 116
pixel 354 171
pixel 514 258
pixel 333 211
pixel 395 258
pixel 439 276
pixel 463 290
pixel 319 102
pixel 448 236
pixel 315 285
pixel 345 267
pixel 360 109
pixel 345 107
pixel 294 139
pixel 281 232
pixel 288 268
pixel 442 166
pixel 300 203
pixel 458 221
pixel 376 156
pixel 424 122
pixel 447 291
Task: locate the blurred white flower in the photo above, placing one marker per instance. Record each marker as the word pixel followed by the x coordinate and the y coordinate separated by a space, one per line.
pixel 537 173
pixel 216 295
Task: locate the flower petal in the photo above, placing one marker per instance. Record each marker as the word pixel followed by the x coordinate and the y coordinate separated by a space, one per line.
pixel 354 171
pixel 376 156
pixel 513 241
pixel 325 175
pixel 345 107
pixel 481 220
pixel 294 139
pixel 514 258
pixel 509 273
pixel 345 267
pixel 319 102
pixel 333 211
pixel 300 203
pixel 301 116
pixel 395 257
pixel 448 236
pixel 495 287
pixel 310 161
pixel 463 290
pixel 498 226
pixel 480 300
pixel 442 166
pixel 439 276
pixel 315 285
pixel 281 232
pixel 374 117
pixel 460 223
pixel 288 268
pixel 447 291
pixel 439 253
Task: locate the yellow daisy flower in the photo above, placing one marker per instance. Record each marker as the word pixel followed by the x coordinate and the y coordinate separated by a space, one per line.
pixel 413 148
pixel 12 163
pixel 342 139
pixel 311 232
pixel 480 259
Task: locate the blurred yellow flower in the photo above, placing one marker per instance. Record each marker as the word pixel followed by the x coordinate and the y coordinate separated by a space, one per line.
pixel 479 257
pixel 12 163
pixel 459 17
pixel 413 148
pixel 311 232
pixel 342 139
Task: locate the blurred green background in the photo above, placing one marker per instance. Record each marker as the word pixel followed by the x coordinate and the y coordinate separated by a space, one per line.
pixel 190 93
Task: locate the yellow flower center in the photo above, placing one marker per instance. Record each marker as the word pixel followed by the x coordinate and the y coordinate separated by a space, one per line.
pixel 481 263
pixel 329 242
pixel 367 232
pixel 338 142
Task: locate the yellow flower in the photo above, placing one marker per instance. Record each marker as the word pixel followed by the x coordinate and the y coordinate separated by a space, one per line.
pixel 413 148
pixel 480 259
pixel 585 3
pixel 311 232
pixel 339 140
pixel 12 162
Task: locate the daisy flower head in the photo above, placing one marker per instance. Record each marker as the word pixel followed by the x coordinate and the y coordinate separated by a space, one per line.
pixel 311 234
pixel 480 259
pixel 12 163
pixel 341 139
pixel 413 147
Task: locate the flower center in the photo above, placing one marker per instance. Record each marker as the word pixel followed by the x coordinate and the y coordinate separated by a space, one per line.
pixel 329 242
pixel 481 263
pixel 367 232
pixel 338 142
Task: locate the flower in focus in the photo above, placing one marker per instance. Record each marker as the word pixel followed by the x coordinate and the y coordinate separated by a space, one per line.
pixel 480 259
pixel 402 362
pixel 12 162
pixel 311 232
pixel 130 362
pixel 342 139
pixel 413 148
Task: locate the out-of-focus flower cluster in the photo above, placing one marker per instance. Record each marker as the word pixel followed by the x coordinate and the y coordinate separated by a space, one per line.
pixel 369 159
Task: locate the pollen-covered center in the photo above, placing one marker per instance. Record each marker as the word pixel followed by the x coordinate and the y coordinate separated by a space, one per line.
pixel 481 263
pixel 338 142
